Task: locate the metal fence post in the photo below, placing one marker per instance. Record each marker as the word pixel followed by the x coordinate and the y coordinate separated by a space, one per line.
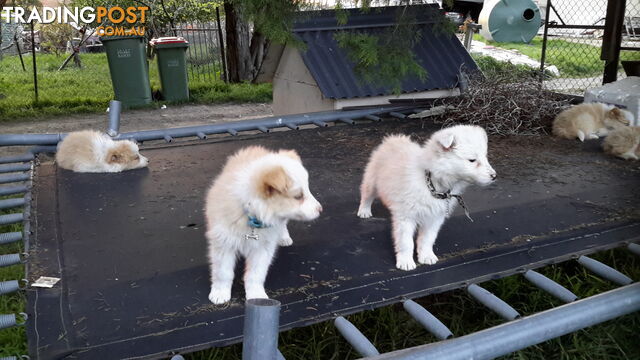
pixel 261 323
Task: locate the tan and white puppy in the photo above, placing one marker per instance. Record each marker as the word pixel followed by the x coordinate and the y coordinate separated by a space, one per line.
pixel 247 210
pixel 91 151
pixel 400 172
pixel 623 143
pixel 590 121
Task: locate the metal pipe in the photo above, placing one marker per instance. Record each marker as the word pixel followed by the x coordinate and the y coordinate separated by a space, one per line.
pixel 373 118
pixel 11 203
pixel 7 287
pixel 10 190
pixel 201 135
pixel 347 121
pixel 427 320
pixel 11 218
pixel 6 238
pixel 397 115
pixel 550 286
pixel 292 126
pixel 168 138
pixel 634 248
pixel 10 259
pixel 232 132
pixel 319 123
pixel 355 338
pixel 279 355
pixel 13 178
pixel 16 158
pixel 244 125
pixel 261 323
pixel 604 271
pixel 494 303
pixel 14 167
pixel 115 107
pixel 519 334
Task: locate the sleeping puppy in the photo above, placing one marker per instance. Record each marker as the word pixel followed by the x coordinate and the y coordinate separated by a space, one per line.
pixel 590 121
pixel 623 143
pixel 420 185
pixel 247 210
pixel 91 151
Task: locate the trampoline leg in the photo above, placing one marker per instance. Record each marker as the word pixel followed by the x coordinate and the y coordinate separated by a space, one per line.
pixel 114 117
pixel 261 322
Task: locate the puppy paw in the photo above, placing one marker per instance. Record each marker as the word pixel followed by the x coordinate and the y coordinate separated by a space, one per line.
pixel 219 295
pixel 405 263
pixel 256 294
pixel 428 258
pixel 364 213
pixel 285 241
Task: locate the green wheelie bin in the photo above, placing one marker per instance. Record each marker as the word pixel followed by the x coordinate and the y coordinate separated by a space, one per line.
pixel 172 66
pixel 129 69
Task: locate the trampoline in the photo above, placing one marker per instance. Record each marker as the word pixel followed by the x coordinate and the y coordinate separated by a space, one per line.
pixel 130 247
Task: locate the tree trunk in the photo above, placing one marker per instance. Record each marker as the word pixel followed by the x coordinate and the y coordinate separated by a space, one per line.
pixel 239 64
pixel 2 4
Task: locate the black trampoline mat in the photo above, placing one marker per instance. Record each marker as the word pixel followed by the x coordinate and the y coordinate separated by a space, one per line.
pixel 131 252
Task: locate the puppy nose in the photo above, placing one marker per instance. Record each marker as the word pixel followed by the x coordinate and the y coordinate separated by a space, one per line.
pixel 494 176
pixel 319 208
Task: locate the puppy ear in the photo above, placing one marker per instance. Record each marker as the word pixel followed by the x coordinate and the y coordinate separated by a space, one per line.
pixel 615 111
pixel 274 181
pixel 114 157
pixel 447 141
pixel 290 153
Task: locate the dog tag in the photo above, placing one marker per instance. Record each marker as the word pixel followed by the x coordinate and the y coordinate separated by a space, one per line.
pixel 253 235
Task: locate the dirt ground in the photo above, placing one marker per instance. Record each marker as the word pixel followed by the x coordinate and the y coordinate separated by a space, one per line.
pixel 134 120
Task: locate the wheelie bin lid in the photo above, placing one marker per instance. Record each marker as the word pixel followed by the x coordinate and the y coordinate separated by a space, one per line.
pixel 119 37
pixel 169 42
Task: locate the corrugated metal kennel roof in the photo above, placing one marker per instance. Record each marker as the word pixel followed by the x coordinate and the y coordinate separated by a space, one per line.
pixel 440 54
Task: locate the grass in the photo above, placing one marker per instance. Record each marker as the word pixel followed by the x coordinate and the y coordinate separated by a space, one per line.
pixel 13 340
pixel 572 59
pixel 88 90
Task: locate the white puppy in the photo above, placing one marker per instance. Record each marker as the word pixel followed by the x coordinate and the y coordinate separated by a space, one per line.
pixel 247 210
pixel 91 151
pixel 401 173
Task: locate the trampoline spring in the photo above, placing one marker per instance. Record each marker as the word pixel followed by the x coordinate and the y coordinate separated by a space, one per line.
pixel 347 121
pixel 16 159
pixel 11 190
pixel 604 271
pixel 10 286
pixel 21 357
pixel 492 302
pixel 320 123
pixel 168 138
pixel 11 203
pixel 553 288
pixel 427 320
pixel 10 259
pixel 634 248
pixel 292 126
pixel 6 238
pixel 13 178
pixel 15 168
pixel 397 115
pixel 373 118
pixel 355 338
pixel 263 129
pixel 10 320
pixel 11 218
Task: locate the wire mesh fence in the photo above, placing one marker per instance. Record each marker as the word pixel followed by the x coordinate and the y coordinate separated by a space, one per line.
pixel 575 32
pixel 205 52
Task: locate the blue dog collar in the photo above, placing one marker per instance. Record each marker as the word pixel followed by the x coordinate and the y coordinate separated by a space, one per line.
pixel 255 223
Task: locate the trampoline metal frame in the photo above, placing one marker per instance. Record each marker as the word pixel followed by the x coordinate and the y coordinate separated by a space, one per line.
pixel 262 318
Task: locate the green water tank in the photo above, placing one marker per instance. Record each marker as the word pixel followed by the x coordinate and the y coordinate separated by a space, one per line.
pixel 509 20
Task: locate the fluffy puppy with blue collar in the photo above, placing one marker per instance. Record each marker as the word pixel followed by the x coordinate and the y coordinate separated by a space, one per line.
pixel 247 210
